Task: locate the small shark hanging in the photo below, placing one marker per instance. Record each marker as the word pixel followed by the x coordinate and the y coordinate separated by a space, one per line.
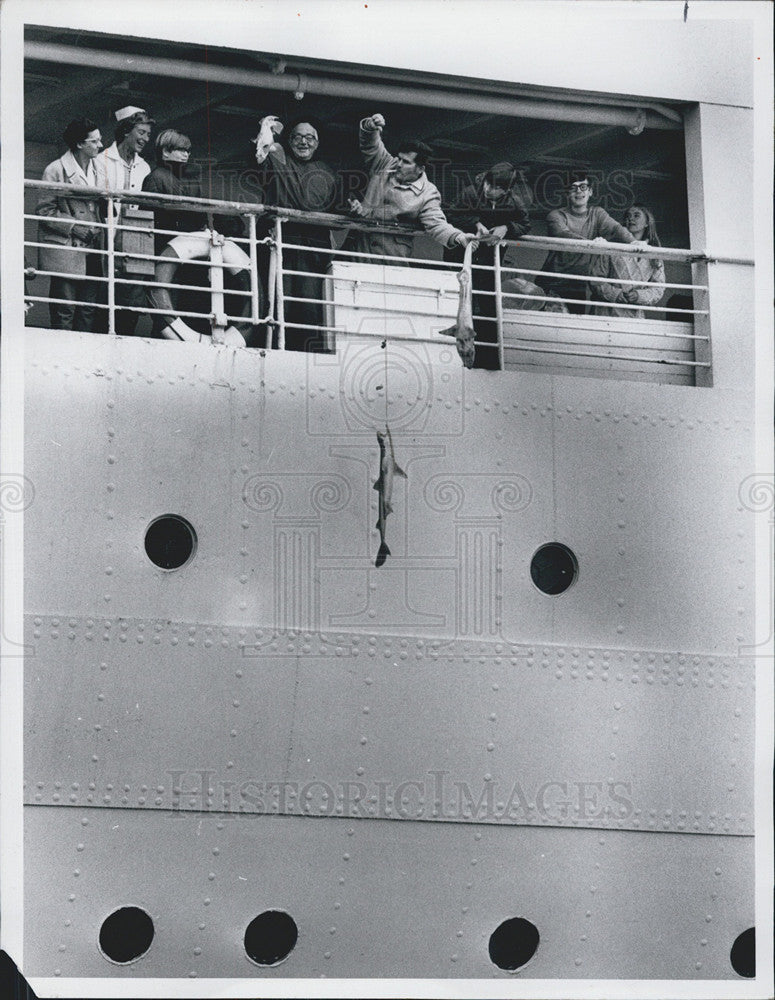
pixel 384 486
pixel 463 330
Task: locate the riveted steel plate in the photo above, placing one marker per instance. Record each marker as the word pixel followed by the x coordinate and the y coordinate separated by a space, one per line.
pixel 436 733
pixel 381 898
pixel 121 712
pixel 273 458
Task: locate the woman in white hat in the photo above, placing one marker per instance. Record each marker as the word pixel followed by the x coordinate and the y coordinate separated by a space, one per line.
pixel 121 168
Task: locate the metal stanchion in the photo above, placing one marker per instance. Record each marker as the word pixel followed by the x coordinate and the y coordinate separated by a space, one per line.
pixel 499 305
pixel 111 268
pixel 278 235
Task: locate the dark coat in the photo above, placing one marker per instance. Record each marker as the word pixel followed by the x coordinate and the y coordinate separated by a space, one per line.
pixel 472 207
pixel 309 187
pixel 178 179
pixel 174 180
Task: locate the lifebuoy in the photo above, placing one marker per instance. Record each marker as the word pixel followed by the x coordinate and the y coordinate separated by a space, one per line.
pixel 196 246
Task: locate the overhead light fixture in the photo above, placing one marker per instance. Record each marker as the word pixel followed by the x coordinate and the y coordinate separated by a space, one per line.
pixel 123 90
pixel 640 122
pixel 39 80
pixel 462 146
pixel 233 109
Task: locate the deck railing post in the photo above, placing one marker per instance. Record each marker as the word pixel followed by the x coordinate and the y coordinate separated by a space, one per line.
pixel 271 283
pixel 217 306
pixel 701 320
pixel 498 305
pixel 111 246
pixel 254 284
pixel 280 298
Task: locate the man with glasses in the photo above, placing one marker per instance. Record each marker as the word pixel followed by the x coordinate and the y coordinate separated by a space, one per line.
pixel 295 178
pixel 71 229
pixel 579 221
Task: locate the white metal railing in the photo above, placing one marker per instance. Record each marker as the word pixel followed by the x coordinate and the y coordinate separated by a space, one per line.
pixel 283 291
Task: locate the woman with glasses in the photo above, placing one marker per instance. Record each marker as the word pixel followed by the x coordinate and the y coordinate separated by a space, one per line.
pixel 579 221
pixel 645 275
pixel 71 229
pixel 292 177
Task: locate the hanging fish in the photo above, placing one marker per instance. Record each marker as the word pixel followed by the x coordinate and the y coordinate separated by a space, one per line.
pixel 384 486
pixel 463 330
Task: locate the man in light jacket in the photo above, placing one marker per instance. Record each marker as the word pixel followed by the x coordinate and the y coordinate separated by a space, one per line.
pixel 399 192
pixel 71 230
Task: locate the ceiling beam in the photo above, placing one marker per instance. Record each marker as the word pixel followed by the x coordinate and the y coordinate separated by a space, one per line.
pixel 41 108
pixel 512 106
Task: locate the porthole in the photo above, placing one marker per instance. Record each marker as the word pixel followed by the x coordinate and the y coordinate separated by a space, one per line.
pixel 743 954
pixel 270 937
pixel 513 944
pixel 126 935
pixel 553 568
pixel 170 541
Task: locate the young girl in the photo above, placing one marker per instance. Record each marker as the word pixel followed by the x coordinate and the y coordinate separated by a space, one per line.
pixel 646 274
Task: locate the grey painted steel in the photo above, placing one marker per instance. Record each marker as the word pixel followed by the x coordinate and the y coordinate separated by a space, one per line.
pixel 286 531
pixel 380 898
pixel 182 716
pixel 447 659
pixel 513 105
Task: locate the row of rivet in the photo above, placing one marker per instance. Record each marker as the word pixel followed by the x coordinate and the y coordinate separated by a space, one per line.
pixel 708 920
pixel 303 388
pixel 644 820
pixel 591 670
pixel 621 576
pixel 244 524
pixel 71 896
pixel 341 881
pixel 294 643
pixel 468 887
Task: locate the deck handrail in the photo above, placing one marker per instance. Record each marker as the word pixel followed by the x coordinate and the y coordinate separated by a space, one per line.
pixel 311 316
pixel 330 220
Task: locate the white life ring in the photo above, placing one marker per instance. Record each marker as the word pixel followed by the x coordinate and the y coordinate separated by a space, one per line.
pixel 196 246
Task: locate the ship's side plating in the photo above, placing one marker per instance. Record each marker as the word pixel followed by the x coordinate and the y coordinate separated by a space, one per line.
pixel 432 712
pixel 400 758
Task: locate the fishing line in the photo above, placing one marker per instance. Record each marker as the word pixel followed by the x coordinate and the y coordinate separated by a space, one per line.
pixel 385 346
pixel 385 338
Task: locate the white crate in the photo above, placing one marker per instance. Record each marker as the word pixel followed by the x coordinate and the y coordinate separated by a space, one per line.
pixel 386 300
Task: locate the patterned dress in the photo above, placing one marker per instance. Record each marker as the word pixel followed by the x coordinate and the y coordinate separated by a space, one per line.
pixel 645 274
